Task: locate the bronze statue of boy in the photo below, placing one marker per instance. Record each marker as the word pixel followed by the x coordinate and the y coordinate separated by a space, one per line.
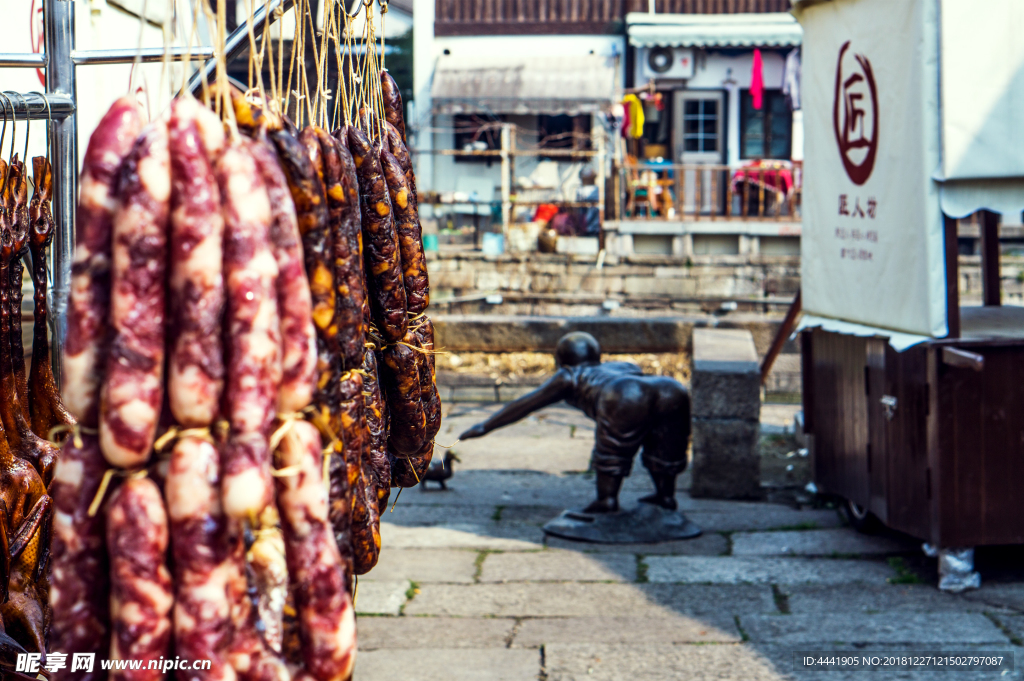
pixel 632 410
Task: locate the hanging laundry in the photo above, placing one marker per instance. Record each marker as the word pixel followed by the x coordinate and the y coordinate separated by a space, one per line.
pixel 757 80
pixel 635 112
pixel 791 79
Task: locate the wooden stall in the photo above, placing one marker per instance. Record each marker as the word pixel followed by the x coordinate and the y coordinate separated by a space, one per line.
pixel 914 405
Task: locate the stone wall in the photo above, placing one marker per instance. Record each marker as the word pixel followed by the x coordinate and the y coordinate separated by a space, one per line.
pixel 539 283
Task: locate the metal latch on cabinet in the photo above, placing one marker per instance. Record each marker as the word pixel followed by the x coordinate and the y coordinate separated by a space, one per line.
pixel 888 406
pixel 962 359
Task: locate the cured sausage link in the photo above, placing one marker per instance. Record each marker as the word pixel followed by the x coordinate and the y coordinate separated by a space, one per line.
pixel 196 368
pixel 401 381
pixel 428 385
pixel 378 466
pixel 326 616
pixel 410 238
pixel 89 297
pixel 352 427
pixel 140 597
pixel 311 211
pixel 392 103
pixel 202 611
pixel 133 387
pixel 253 332
pixel 80 578
pixel 346 242
pixel 383 259
pixel 294 301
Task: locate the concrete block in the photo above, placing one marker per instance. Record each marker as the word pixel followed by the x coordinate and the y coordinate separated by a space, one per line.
pixel 558 566
pixel 734 570
pixel 524 599
pixel 865 599
pixel 380 598
pixel 815 543
pixel 625 630
pixel 726 463
pixel 391 633
pixel 486 664
pixel 885 627
pixel 423 565
pixel 458 536
pixel 708 544
pixel 658 662
pixel 725 395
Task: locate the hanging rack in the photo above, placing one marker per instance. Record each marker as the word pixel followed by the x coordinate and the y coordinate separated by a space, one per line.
pixel 57 105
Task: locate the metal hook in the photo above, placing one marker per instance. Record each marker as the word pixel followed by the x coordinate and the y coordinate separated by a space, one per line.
pixel 14 134
pixel 28 129
pixel 14 127
pixel 49 119
pixel 3 132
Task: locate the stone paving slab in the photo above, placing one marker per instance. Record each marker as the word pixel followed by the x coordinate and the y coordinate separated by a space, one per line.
pixel 423 565
pixel 705 545
pixel 840 541
pixel 532 633
pixel 587 600
pixel 657 662
pixel 448 665
pixel 558 566
pixel 380 598
pixel 885 627
pixel 410 514
pixel 762 517
pixel 462 536
pixel 398 633
pixel 999 595
pixel 749 570
pixel 874 598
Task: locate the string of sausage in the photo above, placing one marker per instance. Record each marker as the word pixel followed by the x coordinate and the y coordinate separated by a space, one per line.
pixel 133 386
pixel 195 378
pixel 140 595
pixel 253 332
pixel 80 581
pixel 202 566
pixel 315 567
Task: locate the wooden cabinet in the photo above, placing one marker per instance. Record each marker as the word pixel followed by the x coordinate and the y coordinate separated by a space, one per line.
pixel 932 446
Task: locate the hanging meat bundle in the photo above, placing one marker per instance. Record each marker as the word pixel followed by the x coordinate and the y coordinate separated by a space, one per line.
pixel 198 252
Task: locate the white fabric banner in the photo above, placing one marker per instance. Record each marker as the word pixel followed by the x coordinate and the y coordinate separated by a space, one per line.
pixel 872 243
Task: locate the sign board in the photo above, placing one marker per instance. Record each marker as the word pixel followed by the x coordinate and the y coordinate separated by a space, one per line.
pixel 872 243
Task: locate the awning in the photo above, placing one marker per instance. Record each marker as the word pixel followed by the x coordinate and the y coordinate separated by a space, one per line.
pixel 775 29
pixel 511 85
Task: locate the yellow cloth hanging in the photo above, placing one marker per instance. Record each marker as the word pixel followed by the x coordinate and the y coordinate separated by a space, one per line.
pixel 636 115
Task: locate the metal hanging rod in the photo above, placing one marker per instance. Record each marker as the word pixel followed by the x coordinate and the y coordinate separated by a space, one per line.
pixel 87 57
pixel 33 106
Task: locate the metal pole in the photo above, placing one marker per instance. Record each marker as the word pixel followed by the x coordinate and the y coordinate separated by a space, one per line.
pixel 59 18
pixel 506 180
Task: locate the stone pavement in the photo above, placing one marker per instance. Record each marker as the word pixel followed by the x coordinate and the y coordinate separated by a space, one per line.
pixel 469 589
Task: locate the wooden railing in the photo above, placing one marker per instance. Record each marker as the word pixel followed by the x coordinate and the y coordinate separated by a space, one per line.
pixel 491 17
pixel 708 192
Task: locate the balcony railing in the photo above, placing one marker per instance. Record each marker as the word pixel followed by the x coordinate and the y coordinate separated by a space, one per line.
pixel 492 17
pixel 685 192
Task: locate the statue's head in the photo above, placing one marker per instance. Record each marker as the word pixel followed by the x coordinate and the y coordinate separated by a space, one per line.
pixel 577 348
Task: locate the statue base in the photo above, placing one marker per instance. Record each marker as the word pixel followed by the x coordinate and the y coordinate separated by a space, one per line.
pixel 644 524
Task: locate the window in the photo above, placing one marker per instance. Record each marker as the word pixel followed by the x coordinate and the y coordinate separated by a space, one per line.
pixel 563 132
pixel 479 133
pixel 765 133
pixel 700 125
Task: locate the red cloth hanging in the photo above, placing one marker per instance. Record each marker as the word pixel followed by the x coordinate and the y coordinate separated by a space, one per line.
pixel 757 80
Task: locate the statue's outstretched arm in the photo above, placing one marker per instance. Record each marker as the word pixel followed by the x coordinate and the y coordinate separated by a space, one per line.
pixel 556 388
